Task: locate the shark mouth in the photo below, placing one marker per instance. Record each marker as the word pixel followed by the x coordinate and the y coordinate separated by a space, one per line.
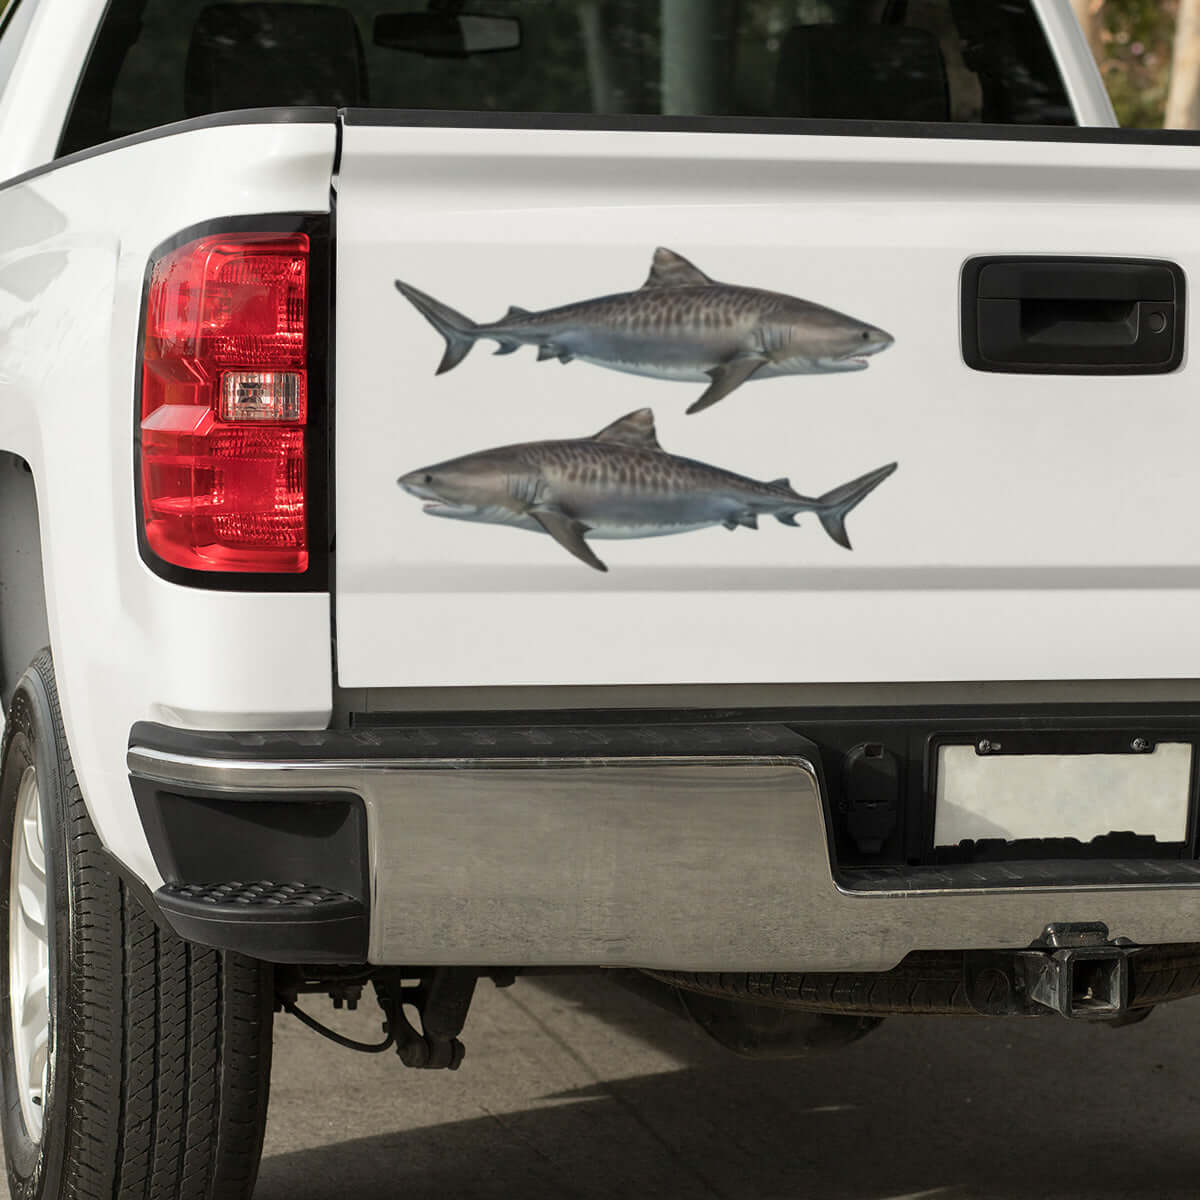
pixel 858 360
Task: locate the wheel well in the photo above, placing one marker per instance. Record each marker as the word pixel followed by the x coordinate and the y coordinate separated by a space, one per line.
pixel 23 626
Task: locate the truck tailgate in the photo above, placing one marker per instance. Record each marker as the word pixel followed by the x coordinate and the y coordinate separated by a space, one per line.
pixel 1038 526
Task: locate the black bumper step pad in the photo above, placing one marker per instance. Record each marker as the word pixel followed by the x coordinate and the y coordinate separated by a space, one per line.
pixel 280 922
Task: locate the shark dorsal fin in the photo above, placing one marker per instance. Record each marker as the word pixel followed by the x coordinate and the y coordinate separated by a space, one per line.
pixel 515 313
pixel 783 483
pixel 637 429
pixel 671 270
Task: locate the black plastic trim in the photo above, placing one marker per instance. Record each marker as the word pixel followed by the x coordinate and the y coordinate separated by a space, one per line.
pixel 203 836
pixel 246 116
pixel 787 126
pixel 341 937
pixel 1175 309
pixel 1051 873
pixel 205 841
pixel 316 578
pixel 476 740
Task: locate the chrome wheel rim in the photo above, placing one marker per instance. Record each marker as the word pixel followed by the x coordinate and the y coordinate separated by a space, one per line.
pixel 29 955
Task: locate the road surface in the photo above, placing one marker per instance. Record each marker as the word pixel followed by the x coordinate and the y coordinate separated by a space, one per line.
pixel 575 1088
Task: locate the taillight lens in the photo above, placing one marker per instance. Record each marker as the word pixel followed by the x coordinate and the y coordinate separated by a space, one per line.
pixel 224 404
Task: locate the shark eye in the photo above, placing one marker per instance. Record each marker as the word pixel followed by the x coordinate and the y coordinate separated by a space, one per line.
pixel 866 335
pixel 428 478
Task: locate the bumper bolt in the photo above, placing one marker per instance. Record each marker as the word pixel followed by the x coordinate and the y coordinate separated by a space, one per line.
pixel 1139 745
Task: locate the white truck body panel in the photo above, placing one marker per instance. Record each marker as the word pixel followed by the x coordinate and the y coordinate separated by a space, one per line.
pixel 129 646
pixel 1039 527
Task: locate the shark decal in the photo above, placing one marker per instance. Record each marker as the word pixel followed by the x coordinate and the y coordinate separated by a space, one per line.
pixel 679 325
pixel 618 484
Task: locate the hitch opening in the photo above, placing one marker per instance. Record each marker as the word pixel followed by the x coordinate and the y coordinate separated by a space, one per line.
pixel 1083 985
pixel 1080 973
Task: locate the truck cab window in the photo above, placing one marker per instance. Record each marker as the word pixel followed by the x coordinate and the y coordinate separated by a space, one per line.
pixel 157 61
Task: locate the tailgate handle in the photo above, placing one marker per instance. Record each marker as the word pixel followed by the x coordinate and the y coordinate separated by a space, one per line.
pixel 1073 316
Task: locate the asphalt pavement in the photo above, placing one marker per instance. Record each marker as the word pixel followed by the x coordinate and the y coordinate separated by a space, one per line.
pixel 573 1087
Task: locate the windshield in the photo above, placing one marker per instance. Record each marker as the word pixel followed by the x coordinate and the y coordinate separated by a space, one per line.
pixel 156 61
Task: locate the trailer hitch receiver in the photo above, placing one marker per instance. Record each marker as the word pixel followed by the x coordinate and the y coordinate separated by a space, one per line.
pixel 1077 971
pixel 1079 974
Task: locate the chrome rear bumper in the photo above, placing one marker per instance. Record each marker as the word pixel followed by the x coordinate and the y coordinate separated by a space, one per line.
pixel 688 862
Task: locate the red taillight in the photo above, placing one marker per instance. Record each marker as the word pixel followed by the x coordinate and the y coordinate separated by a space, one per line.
pixel 224 403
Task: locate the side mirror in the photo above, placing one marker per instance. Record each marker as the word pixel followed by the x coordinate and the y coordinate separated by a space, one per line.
pixel 441 35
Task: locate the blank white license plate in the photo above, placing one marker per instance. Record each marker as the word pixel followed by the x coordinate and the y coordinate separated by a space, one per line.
pixel 1083 796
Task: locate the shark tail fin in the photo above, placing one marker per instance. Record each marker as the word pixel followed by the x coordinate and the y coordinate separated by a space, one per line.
pixel 461 333
pixel 834 507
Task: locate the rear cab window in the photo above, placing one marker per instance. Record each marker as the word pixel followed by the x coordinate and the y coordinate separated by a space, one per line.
pixel 159 61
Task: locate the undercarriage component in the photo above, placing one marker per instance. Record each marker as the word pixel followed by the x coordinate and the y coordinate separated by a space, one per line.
pixel 442 999
pixel 759 1031
pixel 991 983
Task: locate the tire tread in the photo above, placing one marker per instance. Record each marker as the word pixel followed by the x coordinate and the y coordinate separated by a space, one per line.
pixel 170 1048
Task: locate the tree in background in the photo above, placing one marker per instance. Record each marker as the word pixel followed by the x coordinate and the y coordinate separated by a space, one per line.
pixel 1089 14
pixel 1144 63
pixel 1183 100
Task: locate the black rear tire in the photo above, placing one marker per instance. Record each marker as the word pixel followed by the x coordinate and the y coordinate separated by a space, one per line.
pixel 160 1051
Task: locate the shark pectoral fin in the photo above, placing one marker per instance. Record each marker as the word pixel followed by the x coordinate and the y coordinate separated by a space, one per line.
pixel 726 378
pixel 550 351
pixel 742 520
pixel 568 533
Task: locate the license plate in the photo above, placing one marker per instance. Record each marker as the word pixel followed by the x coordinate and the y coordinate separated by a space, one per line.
pixel 1083 796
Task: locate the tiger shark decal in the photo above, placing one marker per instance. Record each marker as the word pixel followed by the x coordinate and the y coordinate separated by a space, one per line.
pixel 679 325
pixel 618 484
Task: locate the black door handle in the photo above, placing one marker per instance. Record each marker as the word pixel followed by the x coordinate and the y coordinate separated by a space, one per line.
pixel 1073 316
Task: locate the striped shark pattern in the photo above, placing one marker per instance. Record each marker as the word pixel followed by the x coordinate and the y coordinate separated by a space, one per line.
pixel 620 483
pixel 680 325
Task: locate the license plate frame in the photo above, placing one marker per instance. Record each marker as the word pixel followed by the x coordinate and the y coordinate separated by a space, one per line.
pixel 1121 748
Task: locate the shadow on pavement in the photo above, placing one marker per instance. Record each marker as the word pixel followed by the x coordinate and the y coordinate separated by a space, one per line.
pixel 939 1108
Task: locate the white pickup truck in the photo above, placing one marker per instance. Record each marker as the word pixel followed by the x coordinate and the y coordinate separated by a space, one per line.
pixel 337 653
